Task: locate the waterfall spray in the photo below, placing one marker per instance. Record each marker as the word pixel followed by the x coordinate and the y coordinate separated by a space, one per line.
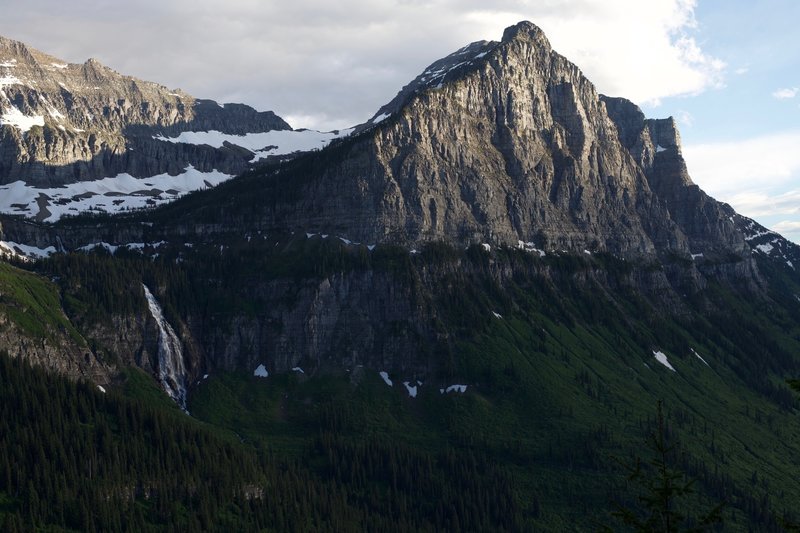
pixel 171 370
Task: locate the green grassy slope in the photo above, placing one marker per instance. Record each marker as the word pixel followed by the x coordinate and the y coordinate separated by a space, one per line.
pixel 32 303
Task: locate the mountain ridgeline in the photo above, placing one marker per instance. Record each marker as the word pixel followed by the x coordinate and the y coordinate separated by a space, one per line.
pixel 79 122
pixel 502 271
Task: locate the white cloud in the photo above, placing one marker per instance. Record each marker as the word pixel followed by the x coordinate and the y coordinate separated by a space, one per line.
pixel 335 63
pixel 785 94
pixel 758 177
pixel 741 71
pixel 766 203
pixel 787 226
pixel 723 168
pixel 789 229
pixel 685 118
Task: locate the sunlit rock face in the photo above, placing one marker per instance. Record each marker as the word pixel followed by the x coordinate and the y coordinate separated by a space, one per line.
pixel 507 142
pixel 63 123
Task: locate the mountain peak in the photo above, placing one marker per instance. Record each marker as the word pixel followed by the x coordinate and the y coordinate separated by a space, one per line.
pixel 525 31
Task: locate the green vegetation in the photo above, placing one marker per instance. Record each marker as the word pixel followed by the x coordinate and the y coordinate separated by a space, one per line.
pixel 663 490
pixel 32 303
pixel 72 458
pixel 558 356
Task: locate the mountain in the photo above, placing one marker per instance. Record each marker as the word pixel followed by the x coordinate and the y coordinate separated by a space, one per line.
pixel 508 142
pixel 452 318
pixel 79 137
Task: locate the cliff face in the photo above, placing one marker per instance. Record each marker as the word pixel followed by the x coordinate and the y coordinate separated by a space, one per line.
pixel 656 147
pixel 75 122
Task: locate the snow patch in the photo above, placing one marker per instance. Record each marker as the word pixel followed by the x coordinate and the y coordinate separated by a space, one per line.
pixel 55 113
pixel 8 80
pixel 261 371
pixel 487 247
pixel 697 256
pixel 412 389
pixel 60 66
pixel 660 149
pixel 497 315
pixel 381 117
pixel 111 248
pixel 530 247
pixel 662 358
pixel 385 376
pixel 454 388
pixel 15 117
pixel 765 248
pixel 298 370
pixel 111 195
pixel 263 145
pixel 24 251
pixel 698 356
pixel 101 389
pixel 758 234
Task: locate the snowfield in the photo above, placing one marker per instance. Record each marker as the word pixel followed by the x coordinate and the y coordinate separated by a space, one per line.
pixel 110 195
pixel 263 145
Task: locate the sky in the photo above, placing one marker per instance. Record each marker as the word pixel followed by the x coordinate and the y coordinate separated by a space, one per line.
pixel 727 70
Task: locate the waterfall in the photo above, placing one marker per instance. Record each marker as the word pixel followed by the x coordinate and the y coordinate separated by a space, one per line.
pixel 171 371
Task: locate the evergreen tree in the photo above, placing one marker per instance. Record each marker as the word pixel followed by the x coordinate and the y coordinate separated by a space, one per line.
pixel 662 489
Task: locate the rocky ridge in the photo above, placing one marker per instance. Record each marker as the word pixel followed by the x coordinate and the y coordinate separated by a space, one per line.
pixel 78 137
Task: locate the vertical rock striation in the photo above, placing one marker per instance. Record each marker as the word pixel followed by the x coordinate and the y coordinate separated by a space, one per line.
pixel 504 142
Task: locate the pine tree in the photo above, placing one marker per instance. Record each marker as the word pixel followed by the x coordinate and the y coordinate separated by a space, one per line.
pixel 662 489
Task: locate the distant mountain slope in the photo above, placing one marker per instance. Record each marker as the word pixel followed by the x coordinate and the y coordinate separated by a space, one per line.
pixel 78 137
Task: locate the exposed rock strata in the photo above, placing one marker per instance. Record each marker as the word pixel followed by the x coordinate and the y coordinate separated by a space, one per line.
pixel 97 123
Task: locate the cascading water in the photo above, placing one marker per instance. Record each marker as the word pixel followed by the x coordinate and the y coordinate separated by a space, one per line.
pixel 171 370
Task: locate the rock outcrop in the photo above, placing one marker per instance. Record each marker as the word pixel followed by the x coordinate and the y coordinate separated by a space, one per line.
pixel 76 122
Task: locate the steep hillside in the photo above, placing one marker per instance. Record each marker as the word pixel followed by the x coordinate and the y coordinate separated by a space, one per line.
pixel 33 326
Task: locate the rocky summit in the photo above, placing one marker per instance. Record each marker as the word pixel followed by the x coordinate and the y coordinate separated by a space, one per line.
pixel 503 143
